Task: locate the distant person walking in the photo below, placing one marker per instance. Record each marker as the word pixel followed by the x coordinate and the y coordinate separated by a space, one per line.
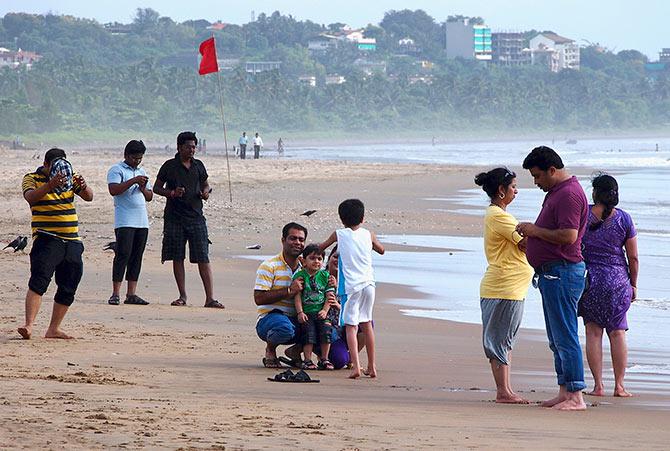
pixel 128 183
pixel 280 147
pixel 243 141
pixel 258 143
pixel 505 283
pixel 183 181
pixel 612 277
pixel 57 247
pixel 554 250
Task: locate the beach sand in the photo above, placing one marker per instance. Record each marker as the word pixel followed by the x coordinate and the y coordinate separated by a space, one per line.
pixel 191 378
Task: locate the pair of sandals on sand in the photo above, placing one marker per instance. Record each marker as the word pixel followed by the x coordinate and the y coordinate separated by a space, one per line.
pixel 132 299
pixel 289 376
pixel 213 303
pixel 323 364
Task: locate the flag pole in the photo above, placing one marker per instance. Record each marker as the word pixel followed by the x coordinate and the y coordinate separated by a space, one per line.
pixel 225 134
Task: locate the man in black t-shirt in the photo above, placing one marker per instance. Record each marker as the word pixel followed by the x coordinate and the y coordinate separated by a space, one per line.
pixel 183 181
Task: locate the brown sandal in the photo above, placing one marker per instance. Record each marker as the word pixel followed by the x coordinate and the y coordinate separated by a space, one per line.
pixel 214 304
pixel 271 363
pixel 178 302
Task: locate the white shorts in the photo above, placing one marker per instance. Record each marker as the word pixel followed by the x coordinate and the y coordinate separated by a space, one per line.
pixel 358 308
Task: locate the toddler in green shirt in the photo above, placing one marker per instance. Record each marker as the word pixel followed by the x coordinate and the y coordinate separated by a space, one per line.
pixel 312 308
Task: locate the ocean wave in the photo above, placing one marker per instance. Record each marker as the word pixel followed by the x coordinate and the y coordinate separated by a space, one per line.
pixel 660 368
pixel 658 304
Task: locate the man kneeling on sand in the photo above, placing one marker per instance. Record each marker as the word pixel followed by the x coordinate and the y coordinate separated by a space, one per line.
pixel 273 294
pixel 57 247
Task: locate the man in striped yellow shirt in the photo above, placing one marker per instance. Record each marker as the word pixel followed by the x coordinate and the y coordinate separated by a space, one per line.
pixel 274 292
pixel 57 247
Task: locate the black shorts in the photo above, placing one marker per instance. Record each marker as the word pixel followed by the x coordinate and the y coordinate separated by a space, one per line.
pixel 51 255
pixel 175 235
pixel 315 330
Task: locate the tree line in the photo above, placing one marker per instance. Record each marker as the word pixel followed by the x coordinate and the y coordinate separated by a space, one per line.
pixel 95 79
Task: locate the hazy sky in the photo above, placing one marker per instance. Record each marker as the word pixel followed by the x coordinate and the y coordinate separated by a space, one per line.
pixel 616 24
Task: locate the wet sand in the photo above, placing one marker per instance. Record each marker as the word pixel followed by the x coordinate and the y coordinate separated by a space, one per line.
pixel 190 378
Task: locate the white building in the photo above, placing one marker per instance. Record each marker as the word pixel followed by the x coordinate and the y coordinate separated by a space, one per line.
pixel 369 67
pixel 327 41
pixel 20 58
pixel 564 52
pixel 309 80
pixel 468 40
pixel 334 79
pixel 322 43
pixel 256 67
pixel 664 55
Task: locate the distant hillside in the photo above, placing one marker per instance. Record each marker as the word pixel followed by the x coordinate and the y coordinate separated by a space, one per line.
pixel 142 76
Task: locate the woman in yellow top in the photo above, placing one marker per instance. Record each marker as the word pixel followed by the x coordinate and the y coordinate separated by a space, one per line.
pixel 505 282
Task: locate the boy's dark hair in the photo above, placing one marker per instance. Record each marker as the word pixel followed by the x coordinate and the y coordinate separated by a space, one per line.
pixel 186 136
pixel 292 225
pixel 543 158
pixel 135 147
pixel 313 249
pixel 351 212
pixel 492 180
pixel 54 154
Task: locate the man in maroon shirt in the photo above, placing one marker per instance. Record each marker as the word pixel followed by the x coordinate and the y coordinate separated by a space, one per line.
pixel 554 250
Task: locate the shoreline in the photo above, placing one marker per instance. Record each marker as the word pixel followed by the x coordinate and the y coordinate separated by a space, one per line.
pixel 156 142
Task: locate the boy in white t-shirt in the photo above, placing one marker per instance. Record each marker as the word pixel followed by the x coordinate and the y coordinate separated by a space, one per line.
pixel 355 245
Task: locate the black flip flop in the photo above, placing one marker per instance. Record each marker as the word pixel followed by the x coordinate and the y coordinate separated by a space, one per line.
pixel 114 300
pixel 288 376
pixel 133 299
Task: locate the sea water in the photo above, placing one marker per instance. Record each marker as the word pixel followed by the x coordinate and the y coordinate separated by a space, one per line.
pixel 617 153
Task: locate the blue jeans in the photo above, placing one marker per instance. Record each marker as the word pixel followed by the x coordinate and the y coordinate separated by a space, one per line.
pixel 561 285
pixel 277 329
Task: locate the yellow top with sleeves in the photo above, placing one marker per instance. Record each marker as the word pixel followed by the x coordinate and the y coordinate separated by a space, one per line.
pixel 508 274
pixel 275 273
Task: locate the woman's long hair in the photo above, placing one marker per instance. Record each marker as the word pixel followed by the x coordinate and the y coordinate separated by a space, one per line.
pixel 606 193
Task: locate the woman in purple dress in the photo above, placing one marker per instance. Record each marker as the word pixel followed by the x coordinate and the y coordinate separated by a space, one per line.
pixel 612 275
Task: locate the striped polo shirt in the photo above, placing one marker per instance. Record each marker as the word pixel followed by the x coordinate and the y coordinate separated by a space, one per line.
pixel 275 273
pixel 54 214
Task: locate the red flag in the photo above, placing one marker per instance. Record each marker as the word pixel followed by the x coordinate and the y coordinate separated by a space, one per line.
pixel 208 63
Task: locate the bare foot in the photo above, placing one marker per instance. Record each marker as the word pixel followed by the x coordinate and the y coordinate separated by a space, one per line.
pixel 58 334
pixel 511 399
pixel 270 354
pixel 570 404
pixel 370 372
pixel 355 374
pixel 25 332
pixel 597 391
pixel 622 393
pixel 553 401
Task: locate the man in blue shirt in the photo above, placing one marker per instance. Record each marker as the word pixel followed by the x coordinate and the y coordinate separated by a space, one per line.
pixel 129 185
pixel 244 140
